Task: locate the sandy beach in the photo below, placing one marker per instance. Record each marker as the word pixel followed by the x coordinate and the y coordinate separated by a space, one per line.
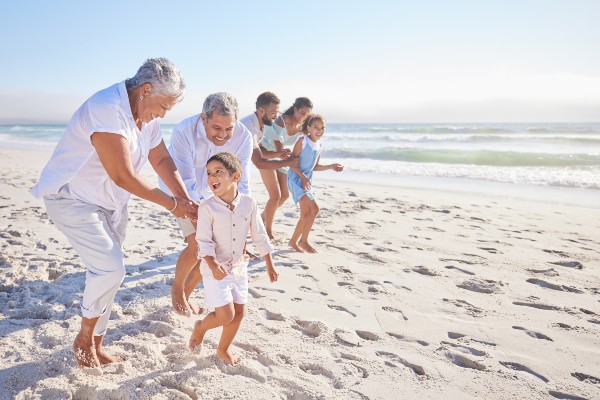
pixel 414 294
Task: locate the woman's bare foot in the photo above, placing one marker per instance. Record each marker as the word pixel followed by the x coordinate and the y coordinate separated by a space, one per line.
pixel 197 337
pixel 228 357
pixel 180 305
pixel 294 246
pixel 85 352
pixel 306 247
pixel 195 310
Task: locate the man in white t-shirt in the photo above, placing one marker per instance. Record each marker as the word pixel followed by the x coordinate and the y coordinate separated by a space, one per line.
pixel 193 142
pixel 267 108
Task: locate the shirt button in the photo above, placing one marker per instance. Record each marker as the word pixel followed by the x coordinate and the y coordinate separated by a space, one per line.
pixel 233 224
pixel 234 239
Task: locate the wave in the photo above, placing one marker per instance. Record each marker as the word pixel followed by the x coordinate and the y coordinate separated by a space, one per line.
pixel 483 157
pixel 464 138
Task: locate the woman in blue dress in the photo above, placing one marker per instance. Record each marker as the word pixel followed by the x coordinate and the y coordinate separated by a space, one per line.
pixel 278 137
pixel 308 149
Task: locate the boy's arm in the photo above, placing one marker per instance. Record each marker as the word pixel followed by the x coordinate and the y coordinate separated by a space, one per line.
pixel 271 270
pixel 206 245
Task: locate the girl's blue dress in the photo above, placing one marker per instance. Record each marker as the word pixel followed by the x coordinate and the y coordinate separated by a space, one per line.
pixel 308 159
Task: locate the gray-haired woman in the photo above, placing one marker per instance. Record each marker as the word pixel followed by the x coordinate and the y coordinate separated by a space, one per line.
pixel 91 175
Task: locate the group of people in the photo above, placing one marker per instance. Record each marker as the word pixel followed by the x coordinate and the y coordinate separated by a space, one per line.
pixel 203 182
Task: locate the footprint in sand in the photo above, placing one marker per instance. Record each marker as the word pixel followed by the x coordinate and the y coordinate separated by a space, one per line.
pixel 417 369
pixel 521 367
pixel 456 336
pixel 569 264
pixel 586 378
pixel 466 349
pixel 349 286
pixel 308 289
pixel 557 252
pixel 268 289
pixel 553 286
pixel 468 307
pixel 368 335
pixel 464 271
pixel 564 396
pixel 340 308
pixel 539 306
pixel 310 328
pixel 547 272
pixel 533 334
pixel 480 286
pixel 271 316
pixel 463 361
pixel 458 261
pixel 317 369
pixel 407 339
pixel 420 269
pixel 394 310
pixel 347 338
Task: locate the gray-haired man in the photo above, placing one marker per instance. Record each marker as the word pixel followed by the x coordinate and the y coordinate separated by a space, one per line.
pixel 194 141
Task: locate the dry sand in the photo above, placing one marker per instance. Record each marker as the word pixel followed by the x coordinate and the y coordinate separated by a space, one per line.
pixel 415 294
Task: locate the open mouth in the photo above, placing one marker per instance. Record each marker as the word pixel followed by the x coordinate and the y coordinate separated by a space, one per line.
pixel 215 185
pixel 220 139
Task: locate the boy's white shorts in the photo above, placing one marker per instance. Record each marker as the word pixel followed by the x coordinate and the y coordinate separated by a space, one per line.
pixel 232 288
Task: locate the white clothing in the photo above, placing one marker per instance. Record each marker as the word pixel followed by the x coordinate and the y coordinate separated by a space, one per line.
pixel 251 122
pixel 190 148
pixel 75 160
pixel 224 238
pixel 98 242
pixel 232 288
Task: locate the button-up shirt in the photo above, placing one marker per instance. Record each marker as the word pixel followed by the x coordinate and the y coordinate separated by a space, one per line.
pixel 251 122
pixel 190 149
pixel 222 232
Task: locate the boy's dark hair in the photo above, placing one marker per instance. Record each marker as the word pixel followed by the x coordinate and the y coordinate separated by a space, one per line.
pixel 299 103
pixel 229 161
pixel 266 98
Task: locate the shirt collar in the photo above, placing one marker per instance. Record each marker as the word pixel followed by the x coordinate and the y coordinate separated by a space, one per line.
pixel 124 96
pixel 235 201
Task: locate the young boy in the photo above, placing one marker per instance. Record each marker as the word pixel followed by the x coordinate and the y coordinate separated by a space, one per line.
pixel 223 223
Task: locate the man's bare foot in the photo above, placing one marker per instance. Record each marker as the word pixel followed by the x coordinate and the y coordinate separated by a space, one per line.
pixel 85 352
pixel 228 357
pixel 180 305
pixel 306 247
pixel 197 337
pixel 294 246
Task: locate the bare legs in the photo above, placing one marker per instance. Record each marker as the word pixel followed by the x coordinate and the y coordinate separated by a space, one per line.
pixel 185 281
pixel 308 212
pixel 88 348
pixel 276 185
pixel 229 317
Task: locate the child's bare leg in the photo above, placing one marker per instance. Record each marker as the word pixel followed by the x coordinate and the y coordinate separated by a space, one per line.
pixel 227 336
pixel 309 218
pixel 192 281
pixel 83 346
pixel 220 317
pixel 185 263
pixel 103 356
pixel 269 178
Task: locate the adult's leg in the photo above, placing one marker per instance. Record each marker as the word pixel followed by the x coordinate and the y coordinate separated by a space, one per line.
pixel 273 187
pixel 187 260
pixel 192 281
pixel 92 236
pixel 282 179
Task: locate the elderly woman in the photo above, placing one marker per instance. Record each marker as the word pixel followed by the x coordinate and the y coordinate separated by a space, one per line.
pixel 91 175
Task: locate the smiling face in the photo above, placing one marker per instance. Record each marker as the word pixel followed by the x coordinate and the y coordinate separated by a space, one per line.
pixel 222 182
pixel 270 113
pixel 300 113
pixel 219 128
pixel 151 106
pixel 316 129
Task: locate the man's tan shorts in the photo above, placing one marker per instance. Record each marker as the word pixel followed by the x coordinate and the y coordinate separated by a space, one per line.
pixel 187 228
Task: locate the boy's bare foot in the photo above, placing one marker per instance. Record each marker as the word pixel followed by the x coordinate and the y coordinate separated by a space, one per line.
pixel 294 246
pixel 106 358
pixel 228 357
pixel 197 337
pixel 180 305
pixel 85 353
pixel 306 247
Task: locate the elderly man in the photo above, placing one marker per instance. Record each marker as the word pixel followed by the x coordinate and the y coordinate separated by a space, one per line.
pixel 193 142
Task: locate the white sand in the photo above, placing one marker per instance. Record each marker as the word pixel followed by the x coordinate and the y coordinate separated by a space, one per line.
pixel 415 294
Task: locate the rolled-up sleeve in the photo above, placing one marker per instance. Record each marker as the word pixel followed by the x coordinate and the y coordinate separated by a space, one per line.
pixel 204 232
pixel 181 150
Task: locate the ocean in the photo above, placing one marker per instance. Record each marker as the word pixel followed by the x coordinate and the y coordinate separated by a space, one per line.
pixel 558 155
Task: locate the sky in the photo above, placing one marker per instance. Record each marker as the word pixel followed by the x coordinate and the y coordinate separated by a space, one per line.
pixel 358 61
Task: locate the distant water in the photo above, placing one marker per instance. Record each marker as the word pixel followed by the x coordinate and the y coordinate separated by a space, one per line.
pixel 563 155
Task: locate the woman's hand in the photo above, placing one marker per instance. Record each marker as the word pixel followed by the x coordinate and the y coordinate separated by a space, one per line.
pixel 185 208
pixel 285 153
